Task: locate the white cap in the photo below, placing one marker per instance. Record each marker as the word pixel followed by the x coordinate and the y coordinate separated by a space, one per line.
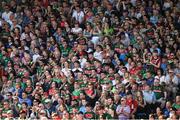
pixel 157 78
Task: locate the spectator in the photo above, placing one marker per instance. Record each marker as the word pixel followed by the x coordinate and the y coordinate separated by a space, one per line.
pixel 123 110
pixel 77 59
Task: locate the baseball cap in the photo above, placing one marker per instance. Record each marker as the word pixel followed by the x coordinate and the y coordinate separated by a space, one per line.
pixel 47 101
pixel 157 78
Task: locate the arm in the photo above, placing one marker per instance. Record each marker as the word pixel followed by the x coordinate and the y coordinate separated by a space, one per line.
pixel 135 109
pixel 127 111
pixel 154 98
pixel 144 58
pixel 118 5
pixel 158 65
pixel 118 112
pixel 94 95
pixel 124 6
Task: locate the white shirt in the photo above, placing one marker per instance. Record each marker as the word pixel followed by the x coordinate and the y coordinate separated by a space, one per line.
pixel 167 5
pixel 78 16
pixel 126 41
pixel 98 55
pixel 10 22
pixel 125 109
pixel 76 30
pixel 125 81
pixel 0 23
pixel 127 66
pixel 82 62
pixel 35 56
pixel 149 96
pixel 162 79
pixel 120 73
pixel 175 79
pixel 133 2
pixel 6 15
pixel 66 71
pixel 77 69
pixel 24 36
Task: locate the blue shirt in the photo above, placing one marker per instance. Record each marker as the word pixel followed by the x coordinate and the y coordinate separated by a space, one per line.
pixel 82 109
pixel 149 97
pixel 166 112
pixel 27 100
pixel 154 19
pixel 150 81
pixel 122 57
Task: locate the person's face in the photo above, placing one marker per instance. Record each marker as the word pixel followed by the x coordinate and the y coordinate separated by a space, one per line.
pixel 90 86
pixel 76 65
pixel 28 82
pixel 66 64
pixel 100 111
pixel 9 115
pixel 123 101
pixel 88 108
pixel 129 97
pixel 57 54
pixel 76 86
pixel 148 75
pixel 132 64
pixel 24 106
pixel 24 96
pixel 42 114
pixel 80 75
pixel 6 105
pixel 9 96
pixel 84 102
pixel 53 85
pixel 103 75
pixel 17 86
pixel 156 82
pixel 76 25
pixel 94 73
pixel 35 103
pixel 147 88
pixel 26 29
pixel 85 78
pixel 155 54
pixel 139 64
pixel 110 101
pixel 111 71
pixel 66 114
pixel 158 110
pixel 54 117
pixel 177 99
pixel 48 104
pixel 171 73
pixel 159 72
pixel 6 8
pixel 168 105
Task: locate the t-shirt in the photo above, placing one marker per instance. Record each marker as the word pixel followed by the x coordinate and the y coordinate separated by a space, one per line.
pixel 65 51
pixel 132 104
pixel 158 90
pixel 105 116
pixel 6 15
pixel 126 109
pixel 90 115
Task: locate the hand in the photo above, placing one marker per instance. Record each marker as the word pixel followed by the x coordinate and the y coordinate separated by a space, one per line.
pixel 122 110
pixel 33 109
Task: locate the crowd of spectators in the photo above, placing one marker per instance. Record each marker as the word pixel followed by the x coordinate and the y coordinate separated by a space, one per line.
pixel 89 59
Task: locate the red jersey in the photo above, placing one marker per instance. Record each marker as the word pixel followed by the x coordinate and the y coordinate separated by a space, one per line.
pixel 132 103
